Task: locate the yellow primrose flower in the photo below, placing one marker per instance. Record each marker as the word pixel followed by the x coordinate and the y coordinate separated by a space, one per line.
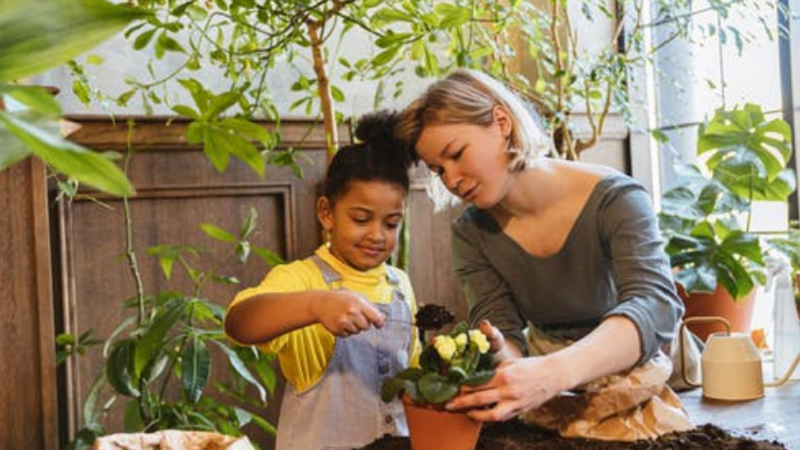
pixel 461 341
pixel 445 346
pixel 479 338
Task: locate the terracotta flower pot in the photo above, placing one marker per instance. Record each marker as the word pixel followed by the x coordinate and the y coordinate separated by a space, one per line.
pixel 721 304
pixel 435 429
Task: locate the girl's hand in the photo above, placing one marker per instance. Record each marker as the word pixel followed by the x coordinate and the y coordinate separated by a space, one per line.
pixel 519 385
pixel 345 313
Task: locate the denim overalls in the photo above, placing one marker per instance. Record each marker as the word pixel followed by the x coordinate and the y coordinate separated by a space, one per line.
pixel 343 409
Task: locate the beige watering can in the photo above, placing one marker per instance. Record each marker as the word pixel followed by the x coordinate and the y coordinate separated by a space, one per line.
pixel 731 365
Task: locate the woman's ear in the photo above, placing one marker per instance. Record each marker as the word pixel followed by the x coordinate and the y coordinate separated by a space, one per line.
pixel 325 213
pixel 503 120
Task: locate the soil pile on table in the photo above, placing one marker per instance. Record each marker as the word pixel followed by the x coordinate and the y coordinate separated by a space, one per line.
pixel 514 435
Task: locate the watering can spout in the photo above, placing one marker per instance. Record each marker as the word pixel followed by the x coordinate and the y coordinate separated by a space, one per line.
pixel 785 377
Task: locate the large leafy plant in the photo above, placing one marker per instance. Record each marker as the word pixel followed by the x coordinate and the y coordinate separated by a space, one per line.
pixel 158 361
pixel 706 217
pixel 448 361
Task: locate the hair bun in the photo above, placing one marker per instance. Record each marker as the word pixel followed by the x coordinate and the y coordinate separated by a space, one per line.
pixel 377 128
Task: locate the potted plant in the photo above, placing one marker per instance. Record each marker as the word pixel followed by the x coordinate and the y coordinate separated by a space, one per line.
pixel 706 218
pixel 447 362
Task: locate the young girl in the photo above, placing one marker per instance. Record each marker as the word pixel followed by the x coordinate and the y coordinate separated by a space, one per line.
pixel 340 321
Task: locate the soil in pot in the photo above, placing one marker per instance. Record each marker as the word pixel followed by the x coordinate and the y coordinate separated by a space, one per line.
pixel 513 435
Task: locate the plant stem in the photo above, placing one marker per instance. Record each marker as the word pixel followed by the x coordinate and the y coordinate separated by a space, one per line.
pixel 143 401
pixel 130 255
pixel 323 85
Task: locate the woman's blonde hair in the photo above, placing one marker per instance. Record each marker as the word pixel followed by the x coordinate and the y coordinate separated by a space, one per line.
pixel 469 96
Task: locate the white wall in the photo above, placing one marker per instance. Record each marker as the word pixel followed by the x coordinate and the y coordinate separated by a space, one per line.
pixel 121 62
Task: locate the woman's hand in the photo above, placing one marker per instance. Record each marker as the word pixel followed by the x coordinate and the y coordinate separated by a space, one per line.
pixel 500 348
pixel 345 313
pixel 519 385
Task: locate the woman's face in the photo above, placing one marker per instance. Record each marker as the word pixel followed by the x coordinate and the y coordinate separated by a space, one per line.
pixel 472 160
pixel 364 222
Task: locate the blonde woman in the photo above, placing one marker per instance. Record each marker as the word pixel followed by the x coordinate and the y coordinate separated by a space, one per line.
pixel 561 262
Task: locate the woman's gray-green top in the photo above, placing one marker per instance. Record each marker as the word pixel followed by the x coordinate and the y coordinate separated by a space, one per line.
pixel 612 263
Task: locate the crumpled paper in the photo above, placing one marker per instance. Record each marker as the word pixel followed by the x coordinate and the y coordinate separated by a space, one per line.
pixel 172 440
pixel 626 407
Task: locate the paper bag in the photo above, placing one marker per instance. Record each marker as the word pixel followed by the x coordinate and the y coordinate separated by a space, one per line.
pixel 172 440
pixel 626 407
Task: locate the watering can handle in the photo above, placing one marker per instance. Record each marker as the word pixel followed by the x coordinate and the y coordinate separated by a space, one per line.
pixel 682 348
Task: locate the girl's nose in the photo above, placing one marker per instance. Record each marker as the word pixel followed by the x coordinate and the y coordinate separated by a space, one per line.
pixel 376 232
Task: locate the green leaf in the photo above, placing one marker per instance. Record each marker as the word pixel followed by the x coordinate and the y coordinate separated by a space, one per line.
pixel 243 250
pixel 436 389
pixel 118 369
pixel 13 150
pixel 132 418
pixel 453 16
pixel 241 369
pixel 219 104
pixel 385 56
pixel 169 44
pixel 264 425
pixel 248 129
pixel 34 97
pixel 153 340
pixel 69 158
pixel 195 369
pixel 270 257
pixel 214 146
pixel 221 140
pixel 38 35
pixel 143 39
pixel 389 15
pixel 479 378
pixel 217 233
pixel 249 223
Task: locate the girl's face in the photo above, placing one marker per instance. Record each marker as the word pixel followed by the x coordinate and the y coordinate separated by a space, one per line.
pixel 471 159
pixel 363 222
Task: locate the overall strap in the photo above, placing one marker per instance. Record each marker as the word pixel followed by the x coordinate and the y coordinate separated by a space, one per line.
pixel 392 276
pixel 328 273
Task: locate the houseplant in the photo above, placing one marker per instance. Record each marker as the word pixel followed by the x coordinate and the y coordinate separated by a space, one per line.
pixel 706 217
pixel 157 367
pixel 447 362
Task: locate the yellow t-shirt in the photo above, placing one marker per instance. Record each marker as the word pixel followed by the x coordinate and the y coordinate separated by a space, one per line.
pixel 304 353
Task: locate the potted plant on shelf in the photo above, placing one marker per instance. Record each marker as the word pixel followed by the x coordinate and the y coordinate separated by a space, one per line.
pixel 447 362
pixel 706 219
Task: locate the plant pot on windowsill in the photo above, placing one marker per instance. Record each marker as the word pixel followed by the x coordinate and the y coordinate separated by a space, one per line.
pixel 706 219
pixel 718 304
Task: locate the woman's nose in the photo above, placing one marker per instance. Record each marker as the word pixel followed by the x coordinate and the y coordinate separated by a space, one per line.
pixel 451 179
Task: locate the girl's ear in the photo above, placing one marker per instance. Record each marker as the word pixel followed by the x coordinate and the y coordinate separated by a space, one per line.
pixel 325 213
pixel 503 120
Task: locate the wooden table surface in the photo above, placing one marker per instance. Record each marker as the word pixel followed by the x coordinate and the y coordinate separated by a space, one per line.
pixel 776 416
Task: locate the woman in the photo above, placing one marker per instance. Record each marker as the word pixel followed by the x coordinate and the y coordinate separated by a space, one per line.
pixel 567 251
